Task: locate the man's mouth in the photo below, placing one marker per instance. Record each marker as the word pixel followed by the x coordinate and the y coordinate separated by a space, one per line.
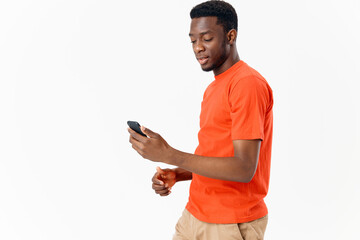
pixel 203 60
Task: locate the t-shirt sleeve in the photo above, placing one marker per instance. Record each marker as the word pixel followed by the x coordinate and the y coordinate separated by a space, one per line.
pixel 249 101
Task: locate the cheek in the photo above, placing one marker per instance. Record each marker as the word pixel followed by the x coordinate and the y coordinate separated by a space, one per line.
pixel 217 50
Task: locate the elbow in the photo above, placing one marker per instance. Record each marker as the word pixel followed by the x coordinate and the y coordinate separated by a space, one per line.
pixel 250 174
pixel 247 174
pixel 243 179
pixel 248 178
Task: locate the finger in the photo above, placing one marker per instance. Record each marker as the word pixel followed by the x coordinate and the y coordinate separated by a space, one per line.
pixel 137 136
pixel 162 191
pixel 136 146
pixel 158 187
pixel 165 194
pixel 156 179
pixel 158 182
pixel 148 132
pixel 133 141
pixel 160 171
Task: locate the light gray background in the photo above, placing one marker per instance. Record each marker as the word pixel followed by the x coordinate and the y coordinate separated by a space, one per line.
pixel 73 72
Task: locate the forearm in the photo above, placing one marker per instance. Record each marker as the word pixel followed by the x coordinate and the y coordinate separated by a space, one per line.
pixel 224 168
pixel 240 168
pixel 182 174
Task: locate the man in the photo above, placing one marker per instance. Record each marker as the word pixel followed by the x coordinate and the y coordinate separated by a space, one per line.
pixel 231 166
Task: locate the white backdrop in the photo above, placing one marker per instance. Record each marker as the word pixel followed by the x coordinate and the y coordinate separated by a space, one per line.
pixel 73 72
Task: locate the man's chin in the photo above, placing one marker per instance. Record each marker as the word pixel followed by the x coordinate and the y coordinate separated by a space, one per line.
pixel 207 69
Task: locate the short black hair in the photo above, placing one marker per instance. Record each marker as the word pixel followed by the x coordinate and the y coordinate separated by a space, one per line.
pixel 224 12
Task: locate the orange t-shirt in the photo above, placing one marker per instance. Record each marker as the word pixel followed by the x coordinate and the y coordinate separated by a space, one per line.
pixel 236 105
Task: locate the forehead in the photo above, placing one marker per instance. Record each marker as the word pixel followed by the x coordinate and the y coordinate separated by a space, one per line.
pixel 205 24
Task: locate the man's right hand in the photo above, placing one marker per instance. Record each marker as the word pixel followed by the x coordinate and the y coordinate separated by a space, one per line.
pixel 163 180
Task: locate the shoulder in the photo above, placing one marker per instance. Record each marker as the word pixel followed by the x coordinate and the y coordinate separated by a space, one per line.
pixel 248 79
pixel 249 85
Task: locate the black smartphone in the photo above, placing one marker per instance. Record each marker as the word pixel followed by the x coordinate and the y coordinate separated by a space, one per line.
pixel 136 127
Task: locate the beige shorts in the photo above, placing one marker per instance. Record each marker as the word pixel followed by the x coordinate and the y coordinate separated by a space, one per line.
pixel 190 228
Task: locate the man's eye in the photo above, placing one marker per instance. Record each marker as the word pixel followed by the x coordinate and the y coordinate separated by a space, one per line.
pixel 208 39
pixel 193 42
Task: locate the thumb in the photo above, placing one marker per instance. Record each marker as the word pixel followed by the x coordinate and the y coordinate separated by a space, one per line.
pixel 158 177
pixel 148 132
pixel 159 170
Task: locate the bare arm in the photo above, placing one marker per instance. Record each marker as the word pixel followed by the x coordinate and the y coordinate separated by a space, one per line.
pixel 182 174
pixel 240 168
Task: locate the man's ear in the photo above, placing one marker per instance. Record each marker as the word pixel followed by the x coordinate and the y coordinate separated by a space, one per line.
pixel 231 36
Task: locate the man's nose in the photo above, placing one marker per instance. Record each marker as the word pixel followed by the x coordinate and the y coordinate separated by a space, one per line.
pixel 198 47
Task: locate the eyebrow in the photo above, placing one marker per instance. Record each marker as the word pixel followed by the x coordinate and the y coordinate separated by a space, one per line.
pixel 202 33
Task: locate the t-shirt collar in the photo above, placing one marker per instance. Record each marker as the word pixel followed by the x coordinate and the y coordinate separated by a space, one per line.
pixel 230 70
